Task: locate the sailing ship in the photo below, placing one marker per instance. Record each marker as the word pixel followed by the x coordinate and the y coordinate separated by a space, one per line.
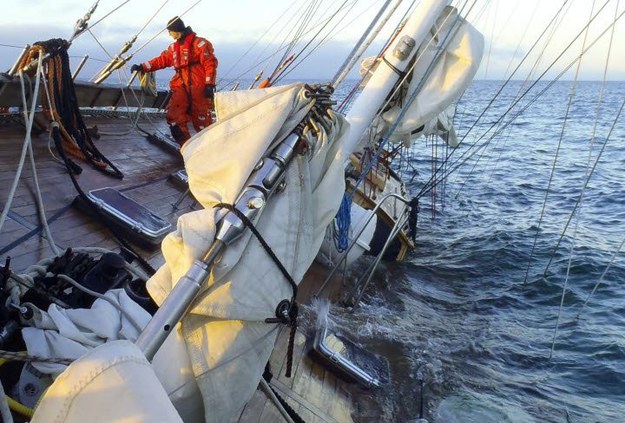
pixel 282 186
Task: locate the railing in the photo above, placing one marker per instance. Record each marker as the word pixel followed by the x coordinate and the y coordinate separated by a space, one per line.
pixel 399 224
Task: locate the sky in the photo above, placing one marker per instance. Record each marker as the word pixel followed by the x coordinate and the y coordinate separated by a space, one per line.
pixel 246 33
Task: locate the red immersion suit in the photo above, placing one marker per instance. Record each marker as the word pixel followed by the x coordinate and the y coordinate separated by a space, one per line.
pixel 195 63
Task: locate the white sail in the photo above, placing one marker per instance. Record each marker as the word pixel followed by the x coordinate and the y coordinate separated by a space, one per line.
pixel 384 78
pixel 113 382
pixel 440 85
pixel 225 334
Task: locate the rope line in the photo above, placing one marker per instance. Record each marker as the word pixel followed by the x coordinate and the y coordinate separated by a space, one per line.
pixel 29 119
pixel 592 141
pixel 144 45
pixel 381 144
pixel 293 307
pixel 63 106
pixel 553 169
pixel 594 289
pixel 428 184
pixel 26 358
pixel 475 148
pixel 287 69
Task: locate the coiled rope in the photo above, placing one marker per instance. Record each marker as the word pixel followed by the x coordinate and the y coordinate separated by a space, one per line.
pixel 63 105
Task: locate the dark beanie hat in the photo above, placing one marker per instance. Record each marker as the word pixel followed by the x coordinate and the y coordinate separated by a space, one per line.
pixel 175 24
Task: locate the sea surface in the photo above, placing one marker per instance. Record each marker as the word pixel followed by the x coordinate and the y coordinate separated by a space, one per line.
pixel 469 319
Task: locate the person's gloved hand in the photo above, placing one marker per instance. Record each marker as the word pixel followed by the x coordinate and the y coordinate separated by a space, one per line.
pixel 209 91
pixel 136 68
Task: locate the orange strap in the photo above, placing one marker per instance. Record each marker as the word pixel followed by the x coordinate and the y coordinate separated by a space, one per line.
pixel 265 84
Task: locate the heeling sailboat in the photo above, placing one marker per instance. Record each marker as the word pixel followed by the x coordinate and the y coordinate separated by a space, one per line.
pixel 235 268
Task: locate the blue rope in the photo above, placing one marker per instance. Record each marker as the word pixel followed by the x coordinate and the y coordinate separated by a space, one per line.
pixel 343 222
pixel 344 216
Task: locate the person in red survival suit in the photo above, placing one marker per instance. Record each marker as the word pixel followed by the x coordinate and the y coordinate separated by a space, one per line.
pixel 193 85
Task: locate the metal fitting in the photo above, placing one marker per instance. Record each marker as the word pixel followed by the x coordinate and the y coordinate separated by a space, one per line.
pixel 404 47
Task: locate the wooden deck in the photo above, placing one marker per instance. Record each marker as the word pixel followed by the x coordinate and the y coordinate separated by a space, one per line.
pixel 146 168
pixel 313 392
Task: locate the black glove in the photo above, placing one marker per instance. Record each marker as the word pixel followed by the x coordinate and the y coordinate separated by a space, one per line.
pixel 209 91
pixel 136 68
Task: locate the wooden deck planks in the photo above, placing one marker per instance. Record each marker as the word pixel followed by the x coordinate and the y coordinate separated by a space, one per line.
pixel 254 408
pixel 145 165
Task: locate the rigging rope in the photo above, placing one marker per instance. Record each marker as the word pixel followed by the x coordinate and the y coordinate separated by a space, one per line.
pixel 491 41
pixel 382 143
pixel 119 60
pixel 10 45
pixel 499 129
pixel 303 22
pixel 38 197
pixel 29 118
pixel 97 212
pixel 163 30
pixel 258 61
pixel 592 141
pixel 473 149
pixel 101 46
pixel 283 72
pixel 300 27
pixel 365 40
pixel 151 18
pixel 616 253
pixel 324 40
pixel 285 67
pixel 591 172
pixel 26 358
pixel 69 130
pixel 293 308
pixel 348 99
pixel 428 184
pixel 64 106
pixel 553 169
pixel 75 36
pixel 343 236
pixel 281 66
pixel 550 24
pixel 226 74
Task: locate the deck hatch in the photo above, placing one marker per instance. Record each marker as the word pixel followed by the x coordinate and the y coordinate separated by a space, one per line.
pixel 130 215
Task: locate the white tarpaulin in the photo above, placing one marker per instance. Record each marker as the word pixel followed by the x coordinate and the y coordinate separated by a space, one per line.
pixel 71 333
pixel 444 83
pixel 227 340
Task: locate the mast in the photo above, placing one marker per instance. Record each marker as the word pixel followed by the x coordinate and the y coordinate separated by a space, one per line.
pixel 394 62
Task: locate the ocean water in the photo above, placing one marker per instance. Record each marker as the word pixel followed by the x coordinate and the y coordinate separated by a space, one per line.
pixel 469 318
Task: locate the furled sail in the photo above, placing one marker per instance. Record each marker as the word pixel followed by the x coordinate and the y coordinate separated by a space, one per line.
pixel 446 63
pixel 224 333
